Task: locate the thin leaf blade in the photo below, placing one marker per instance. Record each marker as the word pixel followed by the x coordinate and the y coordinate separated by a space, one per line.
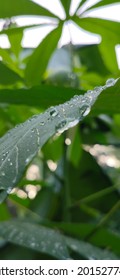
pixel 12 8
pixel 40 57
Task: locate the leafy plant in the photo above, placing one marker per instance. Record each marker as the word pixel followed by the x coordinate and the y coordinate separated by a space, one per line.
pixel 57 168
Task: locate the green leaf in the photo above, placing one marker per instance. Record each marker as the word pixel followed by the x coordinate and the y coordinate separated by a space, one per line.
pixel 103 238
pixel 39 59
pixel 7 76
pixel 66 5
pixel 103 3
pixel 89 251
pixel 42 96
pixel 12 8
pixel 18 29
pixel 107 29
pixel 35 237
pixel 8 60
pixel 21 144
pixel 108 102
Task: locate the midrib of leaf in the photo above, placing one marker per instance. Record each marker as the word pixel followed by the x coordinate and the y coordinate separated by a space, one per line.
pixel 21 144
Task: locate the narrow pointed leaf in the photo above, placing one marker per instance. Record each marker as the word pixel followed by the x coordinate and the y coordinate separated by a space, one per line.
pixel 90 251
pixel 103 3
pixel 18 29
pixel 66 5
pixel 21 144
pixel 35 237
pixel 42 96
pixel 12 8
pixel 40 57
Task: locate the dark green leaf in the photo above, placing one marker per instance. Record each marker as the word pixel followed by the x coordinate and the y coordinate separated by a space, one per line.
pixel 39 59
pixel 107 29
pixel 35 237
pixel 108 102
pixel 89 251
pixel 42 96
pixel 7 76
pixel 102 238
pixel 12 8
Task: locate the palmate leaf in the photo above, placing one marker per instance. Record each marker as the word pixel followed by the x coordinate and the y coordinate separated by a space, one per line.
pixel 12 8
pixel 21 144
pixel 39 59
pixel 35 237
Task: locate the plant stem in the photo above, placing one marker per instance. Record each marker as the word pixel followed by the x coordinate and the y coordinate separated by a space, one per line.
pixel 95 196
pixel 103 221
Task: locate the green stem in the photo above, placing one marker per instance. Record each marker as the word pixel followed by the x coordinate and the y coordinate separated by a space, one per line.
pixel 95 196
pixel 104 220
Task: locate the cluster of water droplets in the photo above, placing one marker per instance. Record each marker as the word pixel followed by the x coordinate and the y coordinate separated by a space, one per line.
pixel 81 105
pixel 21 144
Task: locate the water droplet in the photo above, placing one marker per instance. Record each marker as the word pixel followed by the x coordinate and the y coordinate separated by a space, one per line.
pixel 53 112
pixel 60 127
pixel 3 173
pixel 42 123
pixel 84 110
pixel 27 160
pixel 110 82
pixel 8 159
pixel 11 164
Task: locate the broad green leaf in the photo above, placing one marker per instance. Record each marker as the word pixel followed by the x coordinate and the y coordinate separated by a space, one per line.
pixel 103 3
pixel 107 29
pixel 35 237
pixel 66 5
pixel 8 76
pixel 89 251
pixel 42 96
pixel 12 8
pixel 21 144
pixel 39 59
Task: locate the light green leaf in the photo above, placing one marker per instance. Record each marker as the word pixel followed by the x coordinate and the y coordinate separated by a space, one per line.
pixel 35 237
pixel 21 144
pixel 90 251
pixel 8 60
pixel 107 29
pixel 12 8
pixel 39 59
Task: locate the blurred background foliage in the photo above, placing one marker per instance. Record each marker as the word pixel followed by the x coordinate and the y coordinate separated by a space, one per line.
pixel 67 204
